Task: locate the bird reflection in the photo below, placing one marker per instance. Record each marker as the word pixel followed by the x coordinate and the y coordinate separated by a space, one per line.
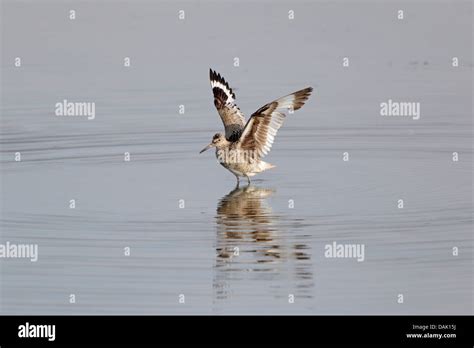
pixel 252 243
pixel 242 215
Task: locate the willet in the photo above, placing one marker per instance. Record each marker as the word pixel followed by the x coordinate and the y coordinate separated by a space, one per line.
pixel 244 145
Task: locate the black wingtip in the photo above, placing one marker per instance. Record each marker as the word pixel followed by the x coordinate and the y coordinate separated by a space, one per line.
pixel 215 76
pixel 307 90
pixel 301 97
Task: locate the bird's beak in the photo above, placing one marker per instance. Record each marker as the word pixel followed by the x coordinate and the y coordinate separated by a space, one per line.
pixel 207 147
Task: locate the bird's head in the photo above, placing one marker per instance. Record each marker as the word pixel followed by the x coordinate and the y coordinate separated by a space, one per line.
pixel 218 141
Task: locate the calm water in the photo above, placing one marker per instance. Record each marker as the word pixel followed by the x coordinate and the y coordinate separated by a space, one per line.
pixel 236 250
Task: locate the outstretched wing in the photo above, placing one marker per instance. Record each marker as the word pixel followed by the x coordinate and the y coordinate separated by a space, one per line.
pixel 224 100
pixel 262 127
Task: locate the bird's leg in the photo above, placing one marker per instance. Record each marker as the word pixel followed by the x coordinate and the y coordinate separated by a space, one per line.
pixel 248 180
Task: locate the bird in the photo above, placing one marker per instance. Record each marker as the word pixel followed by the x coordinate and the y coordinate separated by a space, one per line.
pixel 243 145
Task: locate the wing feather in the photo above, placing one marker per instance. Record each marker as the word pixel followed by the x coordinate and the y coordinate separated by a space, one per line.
pixel 261 129
pixel 224 101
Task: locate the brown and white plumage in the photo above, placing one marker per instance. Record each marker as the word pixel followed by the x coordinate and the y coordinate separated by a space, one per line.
pixel 255 137
pixel 224 101
pixel 262 127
